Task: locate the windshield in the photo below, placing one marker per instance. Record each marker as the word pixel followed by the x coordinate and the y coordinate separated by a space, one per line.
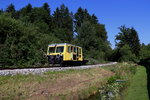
pixel 51 49
pixel 60 49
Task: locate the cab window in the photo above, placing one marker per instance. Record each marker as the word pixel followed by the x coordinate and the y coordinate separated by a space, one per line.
pixel 60 49
pixel 75 49
pixel 79 50
pixel 69 49
pixel 51 49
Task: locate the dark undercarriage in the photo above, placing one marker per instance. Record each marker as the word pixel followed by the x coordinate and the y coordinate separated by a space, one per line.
pixel 58 60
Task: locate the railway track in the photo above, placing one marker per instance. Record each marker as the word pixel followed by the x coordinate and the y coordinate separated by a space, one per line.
pixel 36 70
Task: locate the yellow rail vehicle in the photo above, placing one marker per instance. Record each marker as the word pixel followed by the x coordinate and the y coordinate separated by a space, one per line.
pixel 65 54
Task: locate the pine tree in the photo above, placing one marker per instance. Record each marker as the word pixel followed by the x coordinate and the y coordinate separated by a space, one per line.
pixel 87 36
pixel 63 20
pixel 101 32
pixel 80 16
pixel 24 14
pixel 94 19
pixel 11 9
pixel 102 46
pixel 1 11
pixel 26 10
pixel 39 14
pixel 46 7
pixel 135 42
pixel 48 19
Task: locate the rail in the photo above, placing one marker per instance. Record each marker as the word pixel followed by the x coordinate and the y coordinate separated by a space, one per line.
pixel 25 71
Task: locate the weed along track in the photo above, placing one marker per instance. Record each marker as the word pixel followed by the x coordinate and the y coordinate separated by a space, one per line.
pixel 67 84
pixel 42 70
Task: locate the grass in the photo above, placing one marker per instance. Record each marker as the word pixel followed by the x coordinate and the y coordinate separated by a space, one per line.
pixel 138 87
pixel 53 85
pixel 73 84
pixel 123 71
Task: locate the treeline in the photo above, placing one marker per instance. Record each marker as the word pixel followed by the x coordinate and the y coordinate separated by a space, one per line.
pixel 128 47
pixel 25 34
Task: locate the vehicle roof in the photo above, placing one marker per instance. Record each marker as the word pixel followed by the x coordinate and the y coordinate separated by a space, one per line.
pixel 60 44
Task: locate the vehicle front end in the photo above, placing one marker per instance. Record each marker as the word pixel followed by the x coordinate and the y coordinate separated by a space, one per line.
pixel 55 54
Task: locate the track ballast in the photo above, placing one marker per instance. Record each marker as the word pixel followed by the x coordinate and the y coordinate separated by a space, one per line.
pixel 25 71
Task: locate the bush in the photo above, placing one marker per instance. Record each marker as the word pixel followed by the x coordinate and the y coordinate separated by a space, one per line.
pixel 22 44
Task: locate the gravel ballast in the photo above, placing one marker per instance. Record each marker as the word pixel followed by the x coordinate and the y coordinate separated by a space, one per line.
pixel 42 70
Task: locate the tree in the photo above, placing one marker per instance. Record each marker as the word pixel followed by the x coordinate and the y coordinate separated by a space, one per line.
pixel 22 43
pixel 48 20
pixel 128 36
pixel 103 46
pixel 94 19
pixel 135 42
pixel 25 33
pixel 101 32
pixel 87 37
pixel 46 7
pixel 1 11
pixel 62 19
pixel 145 51
pixel 15 47
pixel 126 54
pixel 38 14
pixel 80 16
pixel 24 14
pixel 26 10
pixel 11 9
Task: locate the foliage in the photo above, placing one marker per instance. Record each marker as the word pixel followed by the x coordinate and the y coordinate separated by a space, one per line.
pixel 126 54
pixel 128 36
pixel 63 20
pixel 95 44
pixel 11 9
pixel 21 43
pixel 116 83
pixel 25 33
pixel 80 16
pixel 145 51
pixel 87 35
pixel 61 26
pixel 127 45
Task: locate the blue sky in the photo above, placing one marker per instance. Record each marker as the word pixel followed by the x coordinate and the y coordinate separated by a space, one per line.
pixel 112 13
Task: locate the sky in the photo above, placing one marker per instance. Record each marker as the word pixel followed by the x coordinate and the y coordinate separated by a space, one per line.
pixel 112 13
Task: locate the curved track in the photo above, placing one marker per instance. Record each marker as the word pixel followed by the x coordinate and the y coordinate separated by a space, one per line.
pixel 26 71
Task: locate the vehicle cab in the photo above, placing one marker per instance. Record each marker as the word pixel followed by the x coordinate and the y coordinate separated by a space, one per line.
pixel 64 53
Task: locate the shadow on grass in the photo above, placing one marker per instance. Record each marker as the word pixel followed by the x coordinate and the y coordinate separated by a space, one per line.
pixel 146 63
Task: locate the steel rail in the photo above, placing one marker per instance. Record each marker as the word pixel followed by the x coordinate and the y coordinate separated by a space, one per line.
pixel 38 70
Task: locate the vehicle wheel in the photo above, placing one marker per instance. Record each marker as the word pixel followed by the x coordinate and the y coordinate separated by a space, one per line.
pixel 61 62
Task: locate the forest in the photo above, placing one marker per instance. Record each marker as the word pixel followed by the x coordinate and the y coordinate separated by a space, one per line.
pixel 25 34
